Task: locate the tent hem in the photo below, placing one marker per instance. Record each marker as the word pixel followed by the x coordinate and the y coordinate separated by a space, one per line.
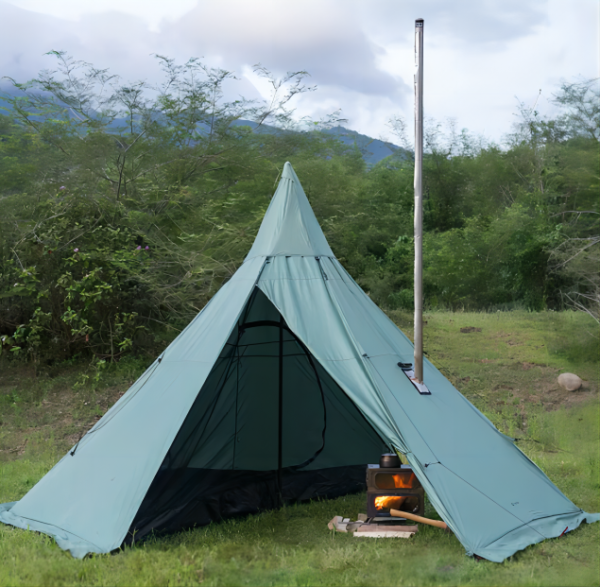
pixel 522 537
pixel 77 546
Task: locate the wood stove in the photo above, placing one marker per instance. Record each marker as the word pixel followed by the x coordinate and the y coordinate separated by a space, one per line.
pixel 396 488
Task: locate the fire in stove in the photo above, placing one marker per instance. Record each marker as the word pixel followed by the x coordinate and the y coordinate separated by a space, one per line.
pixel 393 488
pixel 390 481
pixel 385 502
pixel 406 503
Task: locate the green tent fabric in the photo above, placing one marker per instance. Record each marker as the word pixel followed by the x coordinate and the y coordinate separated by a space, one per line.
pixel 283 388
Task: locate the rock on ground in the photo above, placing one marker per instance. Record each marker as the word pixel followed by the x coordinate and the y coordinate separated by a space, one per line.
pixel 569 381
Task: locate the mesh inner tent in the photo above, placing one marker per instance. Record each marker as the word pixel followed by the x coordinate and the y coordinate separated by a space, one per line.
pixel 268 426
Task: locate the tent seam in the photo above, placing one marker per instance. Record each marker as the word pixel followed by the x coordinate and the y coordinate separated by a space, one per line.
pixel 308 256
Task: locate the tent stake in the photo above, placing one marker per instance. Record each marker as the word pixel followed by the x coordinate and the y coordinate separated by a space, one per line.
pixel 418 368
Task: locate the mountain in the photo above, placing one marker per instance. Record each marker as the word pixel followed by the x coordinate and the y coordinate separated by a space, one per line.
pixel 372 150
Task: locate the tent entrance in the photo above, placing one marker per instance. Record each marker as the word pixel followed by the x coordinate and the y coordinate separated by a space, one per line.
pixel 268 426
pixel 285 335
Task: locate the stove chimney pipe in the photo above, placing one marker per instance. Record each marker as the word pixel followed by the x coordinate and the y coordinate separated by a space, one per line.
pixel 418 367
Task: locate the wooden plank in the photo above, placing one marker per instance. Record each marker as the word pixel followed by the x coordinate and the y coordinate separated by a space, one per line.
pixel 383 534
pixel 369 528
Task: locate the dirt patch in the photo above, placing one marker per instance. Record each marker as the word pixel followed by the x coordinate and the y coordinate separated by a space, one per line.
pixel 551 396
pixel 501 335
pixel 529 386
pixel 556 397
pixel 39 412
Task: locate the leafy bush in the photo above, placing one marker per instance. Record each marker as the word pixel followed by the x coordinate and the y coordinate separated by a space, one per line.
pixel 74 283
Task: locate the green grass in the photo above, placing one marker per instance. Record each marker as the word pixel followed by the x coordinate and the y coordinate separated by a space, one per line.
pixel 508 370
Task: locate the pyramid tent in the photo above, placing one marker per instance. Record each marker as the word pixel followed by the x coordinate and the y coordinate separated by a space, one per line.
pixel 283 388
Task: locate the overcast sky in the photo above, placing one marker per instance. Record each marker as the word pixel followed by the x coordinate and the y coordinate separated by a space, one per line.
pixel 480 55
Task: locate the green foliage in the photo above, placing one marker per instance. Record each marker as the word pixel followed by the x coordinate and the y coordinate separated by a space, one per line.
pixel 92 163
pixel 491 262
pixel 122 212
pixel 73 284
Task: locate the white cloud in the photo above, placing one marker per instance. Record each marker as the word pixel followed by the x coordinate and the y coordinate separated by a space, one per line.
pixel 152 12
pixel 479 54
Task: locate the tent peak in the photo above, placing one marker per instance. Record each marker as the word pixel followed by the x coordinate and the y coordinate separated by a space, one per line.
pixel 289 173
pixel 290 226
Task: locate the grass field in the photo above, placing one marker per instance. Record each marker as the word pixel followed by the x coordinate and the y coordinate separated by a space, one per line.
pixel 508 370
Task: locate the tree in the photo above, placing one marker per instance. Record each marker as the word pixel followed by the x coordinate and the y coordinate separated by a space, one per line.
pixel 577 257
pixel 100 170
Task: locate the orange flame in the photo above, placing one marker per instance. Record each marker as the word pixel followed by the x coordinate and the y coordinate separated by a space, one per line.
pixel 402 482
pixel 390 481
pixel 389 501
